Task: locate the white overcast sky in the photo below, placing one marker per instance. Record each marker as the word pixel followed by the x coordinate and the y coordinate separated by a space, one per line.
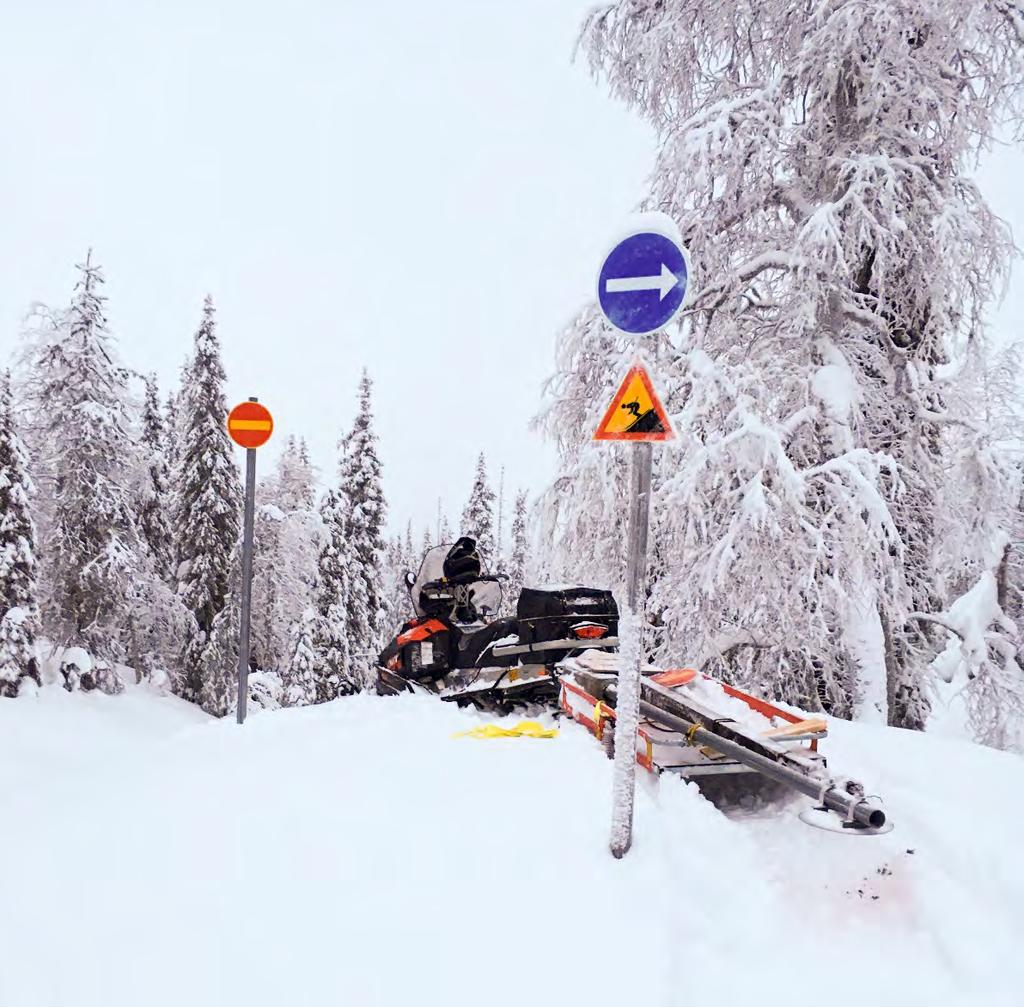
pixel 421 188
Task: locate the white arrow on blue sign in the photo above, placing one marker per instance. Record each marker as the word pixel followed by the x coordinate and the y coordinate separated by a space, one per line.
pixel 642 284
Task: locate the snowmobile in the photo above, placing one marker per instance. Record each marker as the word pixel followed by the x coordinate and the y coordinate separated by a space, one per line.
pixel 560 651
pixel 460 649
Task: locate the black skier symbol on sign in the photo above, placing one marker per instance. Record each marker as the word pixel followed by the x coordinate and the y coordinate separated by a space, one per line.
pixel 643 423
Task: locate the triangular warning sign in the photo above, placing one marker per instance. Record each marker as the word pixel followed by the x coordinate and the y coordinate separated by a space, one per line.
pixel 636 412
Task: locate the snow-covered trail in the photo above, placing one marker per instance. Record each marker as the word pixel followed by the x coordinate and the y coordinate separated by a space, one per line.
pixel 356 853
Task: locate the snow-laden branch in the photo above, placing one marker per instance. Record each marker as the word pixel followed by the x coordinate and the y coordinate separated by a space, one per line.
pixel 713 295
pixel 938 621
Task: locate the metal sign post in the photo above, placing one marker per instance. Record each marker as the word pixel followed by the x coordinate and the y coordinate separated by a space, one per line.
pixel 627 708
pixel 247 534
pixel 250 425
pixel 642 286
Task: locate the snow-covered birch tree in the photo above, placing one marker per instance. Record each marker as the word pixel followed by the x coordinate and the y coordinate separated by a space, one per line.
pixel 979 560
pixel 285 561
pixel 816 160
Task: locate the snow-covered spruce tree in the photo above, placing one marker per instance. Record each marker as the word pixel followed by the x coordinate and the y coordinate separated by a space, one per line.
pixel 444 533
pixel 410 563
pixel 18 623
pixel 155 506
pixel 478 515
pixel 364 511
pixel 208 504
pixel 78 396
pixel 814 160
pixel 156 620
pixel 298 677
pixel 394 597
pixel 330 639
pixel 218 653
pixel 408 547
pixel 174 432
pixel 513 588
pixel 498 561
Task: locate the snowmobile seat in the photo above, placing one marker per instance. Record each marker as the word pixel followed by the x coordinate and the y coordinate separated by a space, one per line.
pixel 472 648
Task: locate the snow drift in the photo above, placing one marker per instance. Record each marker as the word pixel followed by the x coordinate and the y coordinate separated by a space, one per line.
pixel 356 853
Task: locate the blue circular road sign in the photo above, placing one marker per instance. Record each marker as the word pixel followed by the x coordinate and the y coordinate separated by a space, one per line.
pixel 642 284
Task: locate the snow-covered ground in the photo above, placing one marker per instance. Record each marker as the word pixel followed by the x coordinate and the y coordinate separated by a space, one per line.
pixel 358 854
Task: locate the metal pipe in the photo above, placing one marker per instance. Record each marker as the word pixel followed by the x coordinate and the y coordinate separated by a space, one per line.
pixel 851 806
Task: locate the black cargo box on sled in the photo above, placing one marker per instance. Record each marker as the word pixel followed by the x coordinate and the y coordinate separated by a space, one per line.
pixel 550 614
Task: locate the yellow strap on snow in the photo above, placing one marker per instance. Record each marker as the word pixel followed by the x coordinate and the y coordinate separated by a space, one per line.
pixel 524 729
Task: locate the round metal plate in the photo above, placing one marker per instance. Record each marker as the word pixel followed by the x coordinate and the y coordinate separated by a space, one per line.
pixel 831 822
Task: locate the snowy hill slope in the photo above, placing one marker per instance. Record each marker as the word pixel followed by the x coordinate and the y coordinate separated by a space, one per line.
pixel 356 853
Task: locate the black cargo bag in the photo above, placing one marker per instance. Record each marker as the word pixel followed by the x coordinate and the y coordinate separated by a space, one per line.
pixel 549 615
pixel 462 564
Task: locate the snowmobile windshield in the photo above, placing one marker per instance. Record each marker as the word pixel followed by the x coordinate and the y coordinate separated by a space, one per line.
pixel 432 568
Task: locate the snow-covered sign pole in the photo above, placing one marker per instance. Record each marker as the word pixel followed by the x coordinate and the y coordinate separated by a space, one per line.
pixel 250 425
pixel 641 287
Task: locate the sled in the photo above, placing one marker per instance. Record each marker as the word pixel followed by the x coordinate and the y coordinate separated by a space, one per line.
pixel 729 743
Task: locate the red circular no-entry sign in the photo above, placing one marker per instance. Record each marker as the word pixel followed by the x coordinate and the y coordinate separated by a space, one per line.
pixel 250 424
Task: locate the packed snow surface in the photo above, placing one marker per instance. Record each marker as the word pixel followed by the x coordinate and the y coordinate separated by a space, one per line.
pixel 356 853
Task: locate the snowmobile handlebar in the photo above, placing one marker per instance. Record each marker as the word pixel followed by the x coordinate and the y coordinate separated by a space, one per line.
pixel 444 583
pixel 461 596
